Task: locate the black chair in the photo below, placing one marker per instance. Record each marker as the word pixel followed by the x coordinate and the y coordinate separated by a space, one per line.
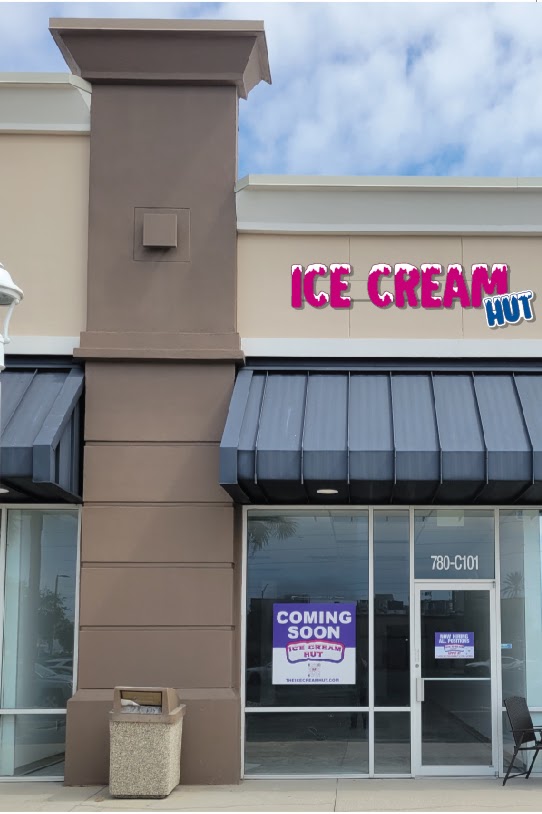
pixel 523 733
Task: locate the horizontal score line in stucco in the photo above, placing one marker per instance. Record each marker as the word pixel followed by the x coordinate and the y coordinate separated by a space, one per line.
pixel 228 564
pixel 106 504
pixel 161 443
pixel 121 628
pixel 153 504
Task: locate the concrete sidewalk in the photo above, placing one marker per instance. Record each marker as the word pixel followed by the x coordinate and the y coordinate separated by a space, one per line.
pixel 452 794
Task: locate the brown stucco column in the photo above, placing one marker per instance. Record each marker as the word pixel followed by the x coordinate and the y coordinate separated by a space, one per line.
pixel 158 571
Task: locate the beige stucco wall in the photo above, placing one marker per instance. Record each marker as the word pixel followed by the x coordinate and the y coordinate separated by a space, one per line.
pixel 43 229
pixel 264 285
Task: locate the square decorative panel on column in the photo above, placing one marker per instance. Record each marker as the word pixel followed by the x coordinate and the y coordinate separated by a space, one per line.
pixel 162 234
pixel 159 231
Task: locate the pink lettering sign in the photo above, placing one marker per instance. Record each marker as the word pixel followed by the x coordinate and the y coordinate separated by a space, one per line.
pixel 430 286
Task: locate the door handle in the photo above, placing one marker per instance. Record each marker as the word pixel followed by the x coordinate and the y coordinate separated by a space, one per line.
pixel 420 689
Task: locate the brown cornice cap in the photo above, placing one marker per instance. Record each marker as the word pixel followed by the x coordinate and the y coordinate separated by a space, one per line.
pixel 182 52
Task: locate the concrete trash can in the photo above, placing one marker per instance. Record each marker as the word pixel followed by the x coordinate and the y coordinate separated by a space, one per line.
pixel 145 728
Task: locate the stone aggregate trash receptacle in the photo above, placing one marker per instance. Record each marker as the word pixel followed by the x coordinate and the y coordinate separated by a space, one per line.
pixel 145 728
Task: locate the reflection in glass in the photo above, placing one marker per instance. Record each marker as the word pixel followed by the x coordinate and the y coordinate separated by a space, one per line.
pixel 456 711
pixel 454 544
pixel 392 742
pixel 39 612
pixel 521 589
pixel 306 743
pixel 465 611
pixel 391 608
pixel 298 558
pixel 456 723
pixel 32 745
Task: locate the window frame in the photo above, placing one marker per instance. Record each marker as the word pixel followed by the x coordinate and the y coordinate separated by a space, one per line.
pixel 4 510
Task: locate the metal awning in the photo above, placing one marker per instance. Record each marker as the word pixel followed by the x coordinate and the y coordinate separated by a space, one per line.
pixel 400 436
pixel 40 434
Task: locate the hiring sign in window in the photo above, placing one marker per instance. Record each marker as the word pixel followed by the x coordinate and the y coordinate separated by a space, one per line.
pixel 314 643
pixel 454 645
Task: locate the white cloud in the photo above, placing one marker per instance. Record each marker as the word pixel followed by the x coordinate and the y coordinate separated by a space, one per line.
pixel 362 88
pixel 376 89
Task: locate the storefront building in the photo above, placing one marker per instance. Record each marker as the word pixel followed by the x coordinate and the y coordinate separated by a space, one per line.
pixel 264 441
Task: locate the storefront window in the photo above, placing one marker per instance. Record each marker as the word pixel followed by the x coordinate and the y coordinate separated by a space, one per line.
pixel 314 566
pixel 307 642
pixel 391 609
pixel 308 579
pixel 392 742
pixel 38 638
pixel 32 745
pixel 306 743
pixel 521 604
pixel 454 544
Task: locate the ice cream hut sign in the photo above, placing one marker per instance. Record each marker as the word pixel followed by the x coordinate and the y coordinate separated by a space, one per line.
pixel 429 286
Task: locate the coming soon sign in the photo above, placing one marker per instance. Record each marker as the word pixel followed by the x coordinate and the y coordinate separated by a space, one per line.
pixel 314 643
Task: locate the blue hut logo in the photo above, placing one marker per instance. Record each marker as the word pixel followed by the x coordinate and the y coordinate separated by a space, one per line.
pixel 508 309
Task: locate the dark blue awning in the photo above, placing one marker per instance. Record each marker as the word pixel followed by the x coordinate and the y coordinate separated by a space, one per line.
pixel 40 433
pixel 397 436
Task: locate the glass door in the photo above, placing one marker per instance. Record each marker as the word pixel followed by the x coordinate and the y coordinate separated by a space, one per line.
pixel 454 669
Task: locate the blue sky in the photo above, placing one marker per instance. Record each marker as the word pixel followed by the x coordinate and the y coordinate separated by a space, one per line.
pixel 364 89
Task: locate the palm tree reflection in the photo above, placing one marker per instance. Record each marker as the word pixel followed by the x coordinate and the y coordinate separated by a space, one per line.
pixel 512 585
pixel 262 530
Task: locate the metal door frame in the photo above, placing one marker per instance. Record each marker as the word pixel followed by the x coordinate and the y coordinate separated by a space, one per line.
pixel 416 705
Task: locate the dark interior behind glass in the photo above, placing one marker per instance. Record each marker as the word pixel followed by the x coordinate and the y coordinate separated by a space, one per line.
pixel 298 558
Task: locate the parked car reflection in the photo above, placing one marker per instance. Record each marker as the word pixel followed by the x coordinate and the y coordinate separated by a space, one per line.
pixel 482 669
pixel 52 689
pixel 63 666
